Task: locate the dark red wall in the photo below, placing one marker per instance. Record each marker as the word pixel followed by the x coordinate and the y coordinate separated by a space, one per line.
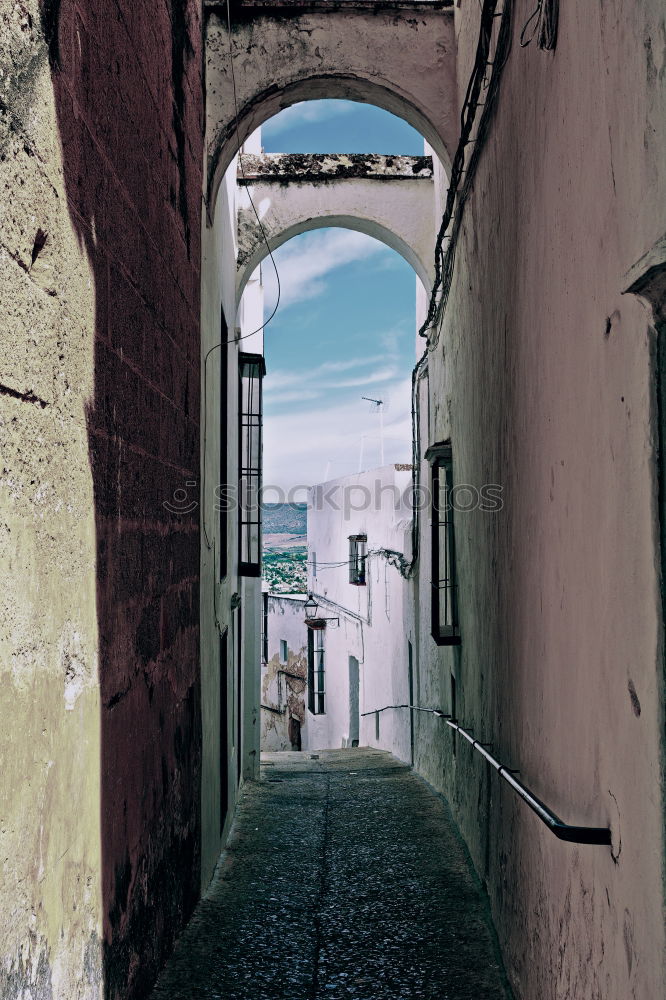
pixel 127 76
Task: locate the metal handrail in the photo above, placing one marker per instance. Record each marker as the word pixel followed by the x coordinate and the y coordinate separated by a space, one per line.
pixel 562 830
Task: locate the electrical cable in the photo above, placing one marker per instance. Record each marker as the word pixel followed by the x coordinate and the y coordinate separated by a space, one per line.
pixel 386 553
pixel 457 167
pixel 444 261
pixel 247 189
pixel 545 17
pixel 459 189
pixel 235 339
pixel 536 13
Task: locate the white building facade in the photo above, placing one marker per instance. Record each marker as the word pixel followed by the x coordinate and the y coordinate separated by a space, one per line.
pixel 359 647
pixel 231 444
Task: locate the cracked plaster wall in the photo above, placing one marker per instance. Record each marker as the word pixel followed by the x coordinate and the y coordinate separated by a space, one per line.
pixel 402 61
pixel 284 682
pixel 50 887
pixel 389 198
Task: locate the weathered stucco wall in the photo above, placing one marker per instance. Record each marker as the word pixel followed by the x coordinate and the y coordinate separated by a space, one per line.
pixel 544 380
pixel 399 58
pixel 284 682
pixel 101 137
pixel 228 605
pixel 50 887
pixel 218 577
pixel 373 618
pixel 390 198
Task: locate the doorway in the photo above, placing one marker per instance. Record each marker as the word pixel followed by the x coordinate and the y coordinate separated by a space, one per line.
pixel 354 718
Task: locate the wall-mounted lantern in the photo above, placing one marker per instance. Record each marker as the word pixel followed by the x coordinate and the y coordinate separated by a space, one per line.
pixel 312 617
pixel 310 607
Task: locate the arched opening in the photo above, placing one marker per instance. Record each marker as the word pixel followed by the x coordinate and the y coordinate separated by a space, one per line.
pixel 366 226
pixel 319 174
pixel 234 669
pixel 338 410
pixel 269 103
pixel 337 420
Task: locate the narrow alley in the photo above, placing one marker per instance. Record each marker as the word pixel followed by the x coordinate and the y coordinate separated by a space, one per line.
pixel 344 878
pixel 332 500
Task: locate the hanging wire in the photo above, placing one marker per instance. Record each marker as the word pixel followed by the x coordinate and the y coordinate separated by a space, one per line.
pixel 247 188
pixel 544 20
pixel 467 117
pixel 392 556
pixel 235 339
pixel 533 20
pixel 462 173
pixel 547 38
pixel 456 197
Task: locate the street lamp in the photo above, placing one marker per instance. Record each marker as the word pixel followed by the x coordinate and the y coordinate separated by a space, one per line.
pixel 312 617
pixel 311 608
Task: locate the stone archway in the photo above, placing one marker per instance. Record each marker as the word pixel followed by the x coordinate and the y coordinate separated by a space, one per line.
pixel 294 194
pixel 399 57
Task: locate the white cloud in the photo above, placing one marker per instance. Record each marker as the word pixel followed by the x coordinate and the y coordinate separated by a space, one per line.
pixel 300 446
pixel 278 380
pixel 296 396
pixel 306 113
pixel 304 264
pixel 391 339
pixel 383 375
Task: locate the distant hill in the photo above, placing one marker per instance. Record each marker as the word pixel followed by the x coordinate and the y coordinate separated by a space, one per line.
pixel 285 519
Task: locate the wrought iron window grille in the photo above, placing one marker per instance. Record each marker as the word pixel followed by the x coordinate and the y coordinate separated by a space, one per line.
pixel 251 370
pixel 358 550
pixel 445 628
pixel 316 671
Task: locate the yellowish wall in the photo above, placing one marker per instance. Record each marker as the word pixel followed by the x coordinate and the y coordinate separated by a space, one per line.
pixel 50 892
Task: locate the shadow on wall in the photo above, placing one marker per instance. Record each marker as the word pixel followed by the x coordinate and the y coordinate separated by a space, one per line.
pixel 128 91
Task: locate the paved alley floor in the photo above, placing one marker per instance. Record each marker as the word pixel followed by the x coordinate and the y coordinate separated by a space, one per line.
pixel 344 879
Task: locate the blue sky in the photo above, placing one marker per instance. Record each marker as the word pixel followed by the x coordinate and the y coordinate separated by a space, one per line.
pixel 345 327
pixel 339 127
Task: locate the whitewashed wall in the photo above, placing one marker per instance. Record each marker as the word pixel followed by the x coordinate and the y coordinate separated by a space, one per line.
pixel 372 618
pixel 218 292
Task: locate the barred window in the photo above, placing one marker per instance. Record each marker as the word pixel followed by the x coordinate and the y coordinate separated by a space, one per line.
pixel 358 545
pixel 444 604
pixel 316 671
pixel 251 371
pixel 224 445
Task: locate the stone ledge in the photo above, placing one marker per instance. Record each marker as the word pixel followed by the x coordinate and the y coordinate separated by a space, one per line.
pixel 286 168
pixel 245 9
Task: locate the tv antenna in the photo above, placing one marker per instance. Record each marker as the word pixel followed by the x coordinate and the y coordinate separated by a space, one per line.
pixel 378 406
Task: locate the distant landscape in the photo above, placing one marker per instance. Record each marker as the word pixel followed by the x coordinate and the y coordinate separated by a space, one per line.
pixel 285 518
pixel 284 545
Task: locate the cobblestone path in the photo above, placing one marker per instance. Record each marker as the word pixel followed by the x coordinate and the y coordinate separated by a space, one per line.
pixel 344 879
